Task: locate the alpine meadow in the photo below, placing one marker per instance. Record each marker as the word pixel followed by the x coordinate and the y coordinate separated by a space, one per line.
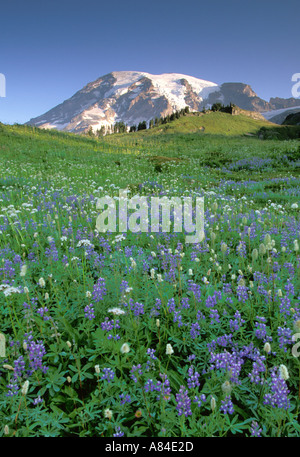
pixel 141 334
pixel 150 225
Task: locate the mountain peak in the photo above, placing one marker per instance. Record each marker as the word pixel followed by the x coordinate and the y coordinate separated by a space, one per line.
pixel 127 96
pixel 135 96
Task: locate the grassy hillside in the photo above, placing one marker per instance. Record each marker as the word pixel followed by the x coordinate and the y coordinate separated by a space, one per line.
pixel 292 119
pixel 49 150
pixel 214 123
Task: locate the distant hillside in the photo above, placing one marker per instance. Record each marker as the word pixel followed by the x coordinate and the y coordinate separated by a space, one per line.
pixel 278 116
pixel 292 119
pixel 217 122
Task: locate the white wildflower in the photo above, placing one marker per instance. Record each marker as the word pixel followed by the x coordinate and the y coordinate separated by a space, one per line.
pixel 23 270
pixel 108 413
pixel 116 311
pixel 227 387
pixel 125 348
pixel 42 282
pixel 296 245
pixel 284 374
pixel 169 349
pixel 84 243
pixel 223 247
pixel 25 387
pixel 213 403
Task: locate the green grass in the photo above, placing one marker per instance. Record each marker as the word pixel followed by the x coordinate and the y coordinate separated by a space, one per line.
pixel 50 151
pixel 215 123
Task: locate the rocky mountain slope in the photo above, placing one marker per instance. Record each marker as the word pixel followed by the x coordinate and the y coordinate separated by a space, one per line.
pixel 132 97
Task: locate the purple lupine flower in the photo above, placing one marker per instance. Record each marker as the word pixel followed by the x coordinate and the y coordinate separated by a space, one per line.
pixel 185 303
pixel 255 429
pixel 108 326
pixel 264 293
pixel 99 290
pixel 183 402
pixel 200 400
pixel 42 312
pixel 285 306
pixel 34 302
pixel 278 398
pixel 212 300
pixel 123 286
pixel 108 375
pixel 196 289
pixel 178 318
pixel 150 363
pixel 227 288
pixel 285 337
pixel 224 341
pixel 36 351
pixel 237 322
pixel 200 316
pixel 89 312
pixel 65 259
pixel 155 310
pixel 228 362
pixel 289 287
pixel 19 366
pixel 258 368
pixel 193 379
pixel 261 328
pixel 195 330
pixel 13 388
pixel 227 406
pixel 191 357
pixel 165 389
pixel 150 386
pixel 37 400
pixel 242 293
pixel 118 433
pixel 137 308
pixel 136 370
pixel 125 398
pixel 150 353
pixel 171 305
pixel 241 249
pixel 52 252
pixel 214 316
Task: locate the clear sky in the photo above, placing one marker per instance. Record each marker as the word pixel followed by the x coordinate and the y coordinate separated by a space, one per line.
pixel 50 49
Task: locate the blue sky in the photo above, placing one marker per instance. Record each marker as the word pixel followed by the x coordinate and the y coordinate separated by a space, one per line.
pixel 51 49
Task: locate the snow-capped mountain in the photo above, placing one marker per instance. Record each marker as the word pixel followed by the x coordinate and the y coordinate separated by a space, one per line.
pixel 132 97
pixel 127 96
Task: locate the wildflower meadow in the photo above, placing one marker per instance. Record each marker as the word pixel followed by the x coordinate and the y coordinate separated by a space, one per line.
pixel 140 334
